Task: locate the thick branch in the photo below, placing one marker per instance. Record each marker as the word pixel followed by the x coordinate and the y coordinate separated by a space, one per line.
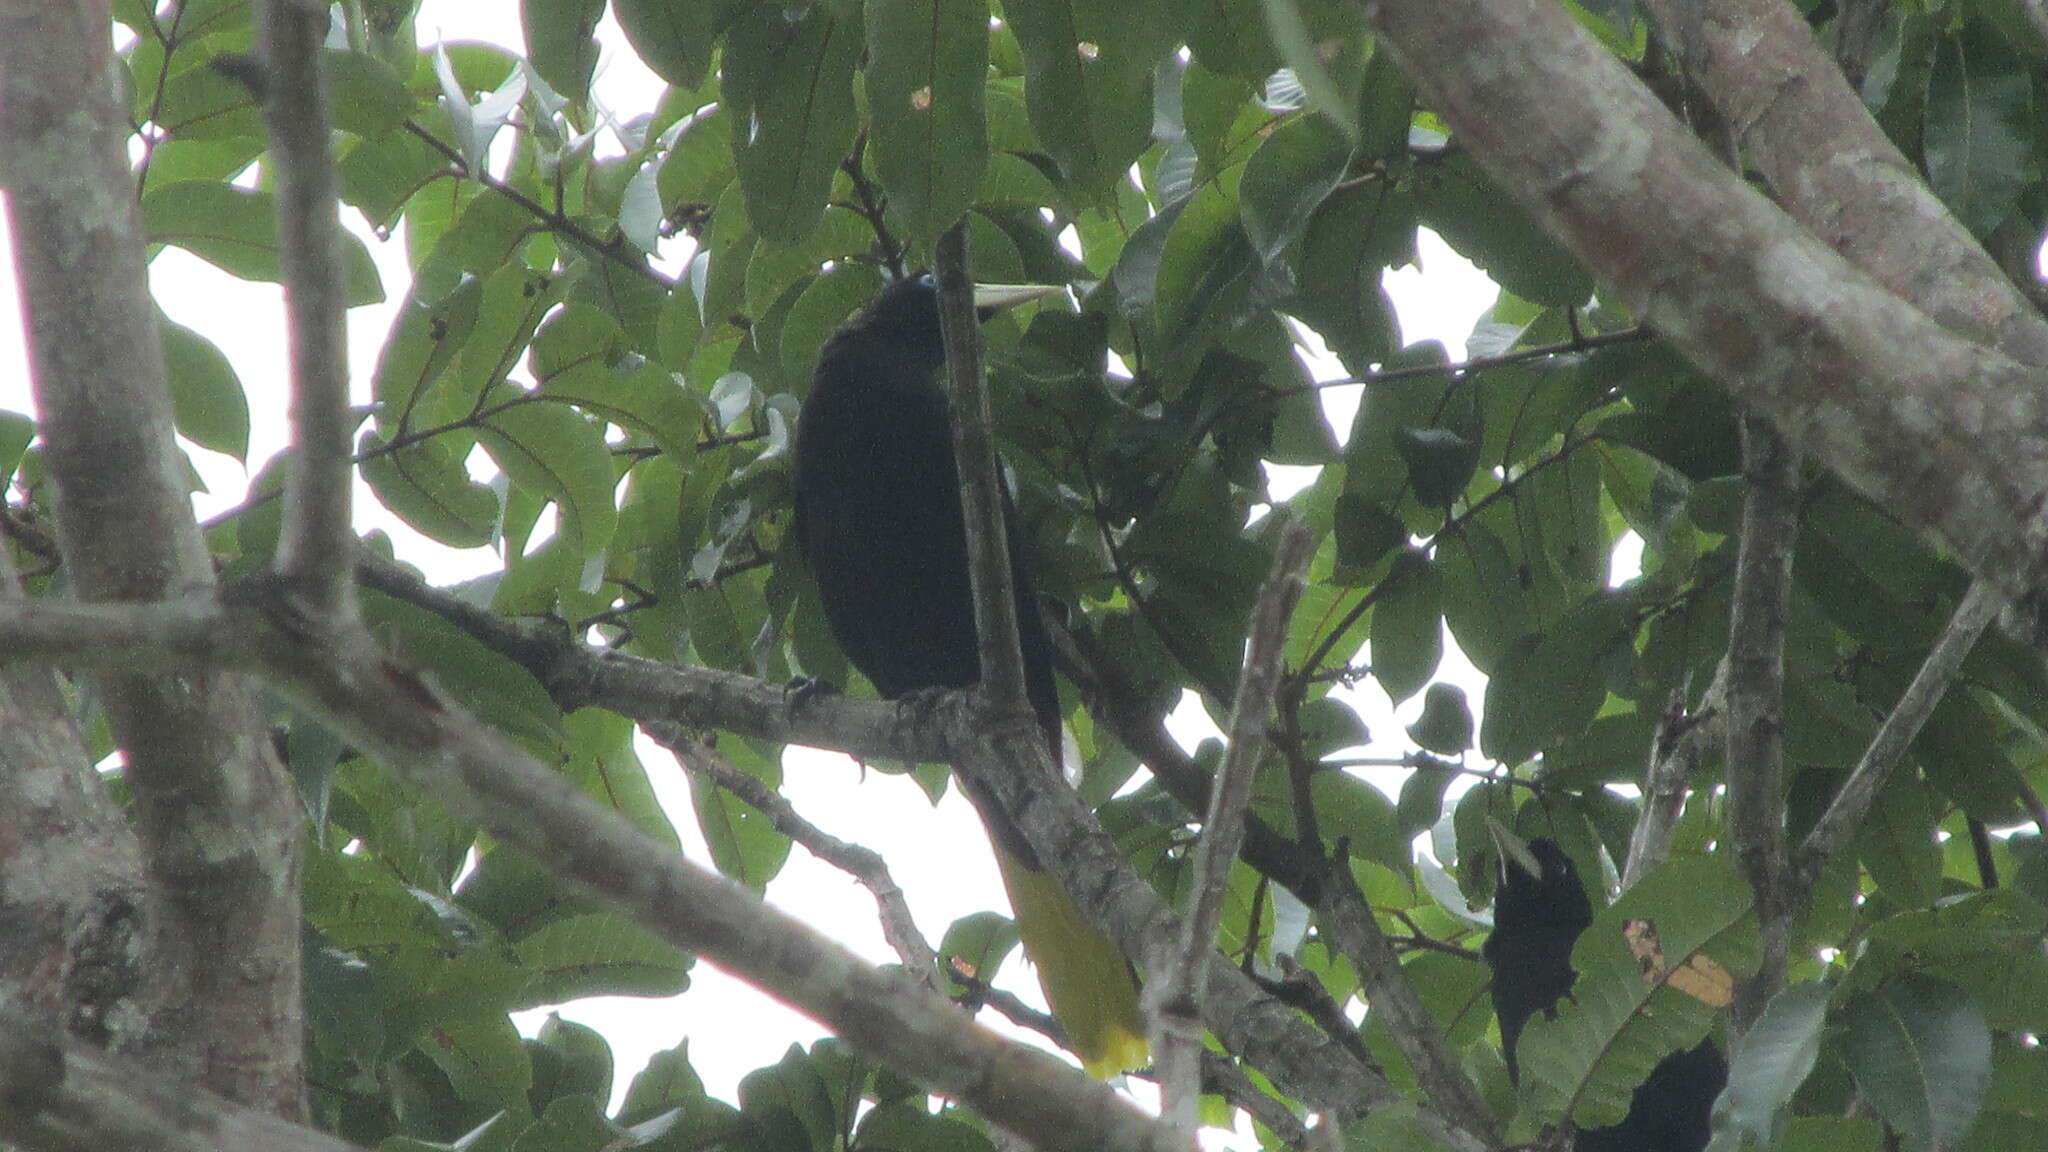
pixel 1173 998
pixel 1949 435
pixel 63 1096
pixel 981 479
pixel 1756 698
pixel 1980 604
pixel 317 541
pixel 218 820
pixel 1805 129
pixel 77 949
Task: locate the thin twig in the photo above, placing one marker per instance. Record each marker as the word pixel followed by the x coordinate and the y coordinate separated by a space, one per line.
pixel 313 551
pixel 899 927
pixel 612 250
pixel 1173 997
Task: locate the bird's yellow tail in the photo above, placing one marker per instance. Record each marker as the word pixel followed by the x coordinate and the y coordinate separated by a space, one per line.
pixel 1086 980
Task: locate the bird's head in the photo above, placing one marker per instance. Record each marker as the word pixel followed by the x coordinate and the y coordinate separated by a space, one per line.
pixel 905 317
pixel 1539 884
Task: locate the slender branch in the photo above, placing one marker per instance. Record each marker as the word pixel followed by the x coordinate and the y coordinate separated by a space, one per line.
pixel 1681 743
pixel 317 540
pixel 1578 343
pixel 981 478
pixel 1852 801
pixel 1348 923
pixel 554 221
pixel 1756 698
pixel 899 927
pixel 64 1096
pixel 1173 997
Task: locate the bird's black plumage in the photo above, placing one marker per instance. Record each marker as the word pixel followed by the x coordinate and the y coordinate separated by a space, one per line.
pixel 879 520
pixel 1537 920
pixel 878 514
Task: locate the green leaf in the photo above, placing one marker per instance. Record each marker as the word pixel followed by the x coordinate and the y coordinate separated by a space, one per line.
pixel 1407 627
pixel 1440 463
pixel 824 305
pixel 1088 83
pixel 667 1082
pixel 1621 1019
pixel 1365 532
pixel 599 955
pixel 561 42
pixel 927 69
pixel 1304 53
pixel 483 1057
pixel 497 690
pixel 1206 268
pixel 905 1126
pixel 554 450
pixel 1479 220
pixel 1348 808
pixel 368 97
pixel 788 87
pixel 674 37
pixel 1287 179
pixel 744 844
pixel 207 402
pixel 975 946
pixel 1978 133
pixel 569 1059
pixel 1896 842
pixel 426 484
pixel 1445 726
pixel 205 103
pixel 235 230
pixel 1775 1056
pixel 1921 1055
pixel 1227 36
pixel 16 430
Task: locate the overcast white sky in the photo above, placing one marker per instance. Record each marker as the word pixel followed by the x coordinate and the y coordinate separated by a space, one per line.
pixel 939 855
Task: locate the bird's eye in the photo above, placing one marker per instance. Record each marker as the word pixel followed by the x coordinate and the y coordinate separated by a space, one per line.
pixel 928 280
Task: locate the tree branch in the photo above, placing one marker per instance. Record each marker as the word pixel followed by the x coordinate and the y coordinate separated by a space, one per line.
pixel 1852 801
pixel 1756 699
pixel 1947 434
pixel 78 949
pixel 1681 743
pixel 981 479
pixel 318 539
pixel 899 927
pixel 218 820
pixel 1836 171
pixel 63 1096
pixel 1173 997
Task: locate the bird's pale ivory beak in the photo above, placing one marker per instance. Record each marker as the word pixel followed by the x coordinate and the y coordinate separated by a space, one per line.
pixel 992 298
pixel 1514 848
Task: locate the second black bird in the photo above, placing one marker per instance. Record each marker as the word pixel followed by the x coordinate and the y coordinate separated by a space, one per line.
pixel 1537 918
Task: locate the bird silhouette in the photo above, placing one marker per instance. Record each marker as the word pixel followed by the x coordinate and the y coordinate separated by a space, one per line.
pixel 879 521
pixel 1537 918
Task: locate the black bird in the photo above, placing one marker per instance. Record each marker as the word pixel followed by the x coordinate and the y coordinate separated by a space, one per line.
pixel 878 518
pixel 1537 918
